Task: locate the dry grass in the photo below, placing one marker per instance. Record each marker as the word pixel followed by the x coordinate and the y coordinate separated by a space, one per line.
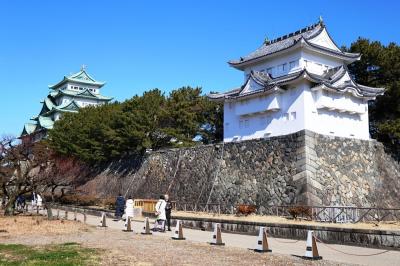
pixel 394 226
pixel 37 225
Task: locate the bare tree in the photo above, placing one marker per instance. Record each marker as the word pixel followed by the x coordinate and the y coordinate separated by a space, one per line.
pixel 63 172
pixel 33 167
pixel 22 169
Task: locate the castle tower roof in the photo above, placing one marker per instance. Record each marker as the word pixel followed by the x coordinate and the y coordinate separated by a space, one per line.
pixel 81 77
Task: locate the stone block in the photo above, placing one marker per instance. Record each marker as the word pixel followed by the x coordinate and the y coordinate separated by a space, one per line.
pixel 299 176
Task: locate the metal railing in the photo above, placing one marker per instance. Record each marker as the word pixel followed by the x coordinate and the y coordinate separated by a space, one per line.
pixel 214 208
pixel 330 214
pixel 338 214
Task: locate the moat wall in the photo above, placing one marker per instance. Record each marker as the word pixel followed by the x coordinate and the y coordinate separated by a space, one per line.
pixel 301 168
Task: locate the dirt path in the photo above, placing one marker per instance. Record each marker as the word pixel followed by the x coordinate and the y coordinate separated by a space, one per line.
pixel 134 249
pixel 120 248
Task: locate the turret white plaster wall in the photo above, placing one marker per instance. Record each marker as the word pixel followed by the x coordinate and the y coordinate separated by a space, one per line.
pixel 275 62
pixel 346 115
pixel 244 120
pixel 293 110
pixel 317 63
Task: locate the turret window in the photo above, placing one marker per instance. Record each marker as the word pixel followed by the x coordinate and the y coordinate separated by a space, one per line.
pixel 293 64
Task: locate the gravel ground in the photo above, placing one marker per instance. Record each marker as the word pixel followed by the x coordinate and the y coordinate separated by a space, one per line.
pixel 121 248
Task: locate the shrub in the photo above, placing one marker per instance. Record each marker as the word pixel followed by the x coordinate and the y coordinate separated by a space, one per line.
pixel 302 211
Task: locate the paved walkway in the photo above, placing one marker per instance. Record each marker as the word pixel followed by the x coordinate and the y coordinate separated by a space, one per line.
pixel 278 245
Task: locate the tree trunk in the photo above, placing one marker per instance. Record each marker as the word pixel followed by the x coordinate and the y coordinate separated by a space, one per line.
pixel 53 193
pixel 48 205
pixel 10 206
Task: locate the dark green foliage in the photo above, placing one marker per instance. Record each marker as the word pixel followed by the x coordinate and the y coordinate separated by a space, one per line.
pixel 380 67
pixel 150 121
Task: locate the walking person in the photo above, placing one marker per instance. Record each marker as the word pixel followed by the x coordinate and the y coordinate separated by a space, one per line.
pixel 129 208
pixel 160 212
pixel 168 209
pixel 21 203
pixel 34 200
pixel 119 207
pixel 39 201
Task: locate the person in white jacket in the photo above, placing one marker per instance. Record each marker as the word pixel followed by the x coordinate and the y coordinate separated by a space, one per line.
pixel 129 208
pixel 39 201
pixel 160 212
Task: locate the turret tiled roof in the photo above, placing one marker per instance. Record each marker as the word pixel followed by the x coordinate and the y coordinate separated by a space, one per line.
pixel 337 79
pixel 293 39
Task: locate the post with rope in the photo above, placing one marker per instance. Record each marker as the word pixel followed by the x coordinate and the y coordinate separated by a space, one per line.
pixel 311 248
pixel 350 254
pixel 262 241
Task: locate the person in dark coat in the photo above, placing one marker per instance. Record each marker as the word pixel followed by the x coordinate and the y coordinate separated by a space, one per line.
pixel 119 206
pixel 168 209
pixel 21 202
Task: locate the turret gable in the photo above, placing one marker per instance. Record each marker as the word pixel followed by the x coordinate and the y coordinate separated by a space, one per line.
pixel 315 38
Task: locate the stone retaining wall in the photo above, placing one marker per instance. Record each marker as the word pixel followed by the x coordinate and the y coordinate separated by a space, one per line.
pixel 301 168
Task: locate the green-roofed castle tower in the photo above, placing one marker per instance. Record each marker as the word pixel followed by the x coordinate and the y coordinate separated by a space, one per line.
pixel 71 93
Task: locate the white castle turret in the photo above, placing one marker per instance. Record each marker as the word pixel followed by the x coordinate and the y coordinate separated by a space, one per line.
pixel 298 81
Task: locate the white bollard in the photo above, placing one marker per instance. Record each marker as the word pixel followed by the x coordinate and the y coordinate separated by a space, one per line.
pixel 262 241
pixel 217 237
pixel 146 227
pixel 178 232
pixel 311 248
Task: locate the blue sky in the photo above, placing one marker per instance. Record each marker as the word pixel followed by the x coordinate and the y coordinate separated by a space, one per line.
pixel 139 45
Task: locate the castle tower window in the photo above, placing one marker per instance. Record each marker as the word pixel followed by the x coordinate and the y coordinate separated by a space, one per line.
pixel 286 117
